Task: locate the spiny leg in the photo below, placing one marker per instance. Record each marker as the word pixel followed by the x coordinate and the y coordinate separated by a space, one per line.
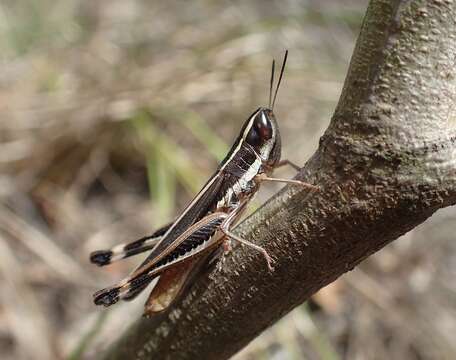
pixel 263 177
pixel 225 249
pixel 225 229
pixel 127 290
pixel 268 258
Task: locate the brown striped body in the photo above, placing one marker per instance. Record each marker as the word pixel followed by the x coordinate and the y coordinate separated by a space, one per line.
pixel 180 248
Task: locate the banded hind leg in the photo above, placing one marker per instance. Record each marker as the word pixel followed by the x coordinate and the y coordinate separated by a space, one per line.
pixel 263 177
pixel 122 251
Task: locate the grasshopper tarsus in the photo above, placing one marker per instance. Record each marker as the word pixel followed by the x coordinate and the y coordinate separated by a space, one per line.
pixel 306 185
pixel 101 257
pixel 269 260
pixel 106 297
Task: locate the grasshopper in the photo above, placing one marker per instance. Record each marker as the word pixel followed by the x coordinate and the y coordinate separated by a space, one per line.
pixel 203 229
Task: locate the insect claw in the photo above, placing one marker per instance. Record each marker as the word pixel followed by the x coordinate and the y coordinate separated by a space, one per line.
pixel 221 263
pixel 308 186
pixel 269 260
pixel 227 246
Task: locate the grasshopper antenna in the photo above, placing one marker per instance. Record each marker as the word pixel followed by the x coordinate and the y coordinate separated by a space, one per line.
pixel 271 84
pixel 280 78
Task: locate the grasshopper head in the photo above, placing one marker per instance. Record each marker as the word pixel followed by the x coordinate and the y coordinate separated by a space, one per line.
pixel 263 135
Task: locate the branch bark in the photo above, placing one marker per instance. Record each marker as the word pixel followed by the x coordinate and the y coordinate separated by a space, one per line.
pixel 385 164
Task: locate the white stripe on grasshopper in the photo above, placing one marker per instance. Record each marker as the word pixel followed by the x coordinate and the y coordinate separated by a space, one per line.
pixel 241 185
pixel 266 150
pixel 120 251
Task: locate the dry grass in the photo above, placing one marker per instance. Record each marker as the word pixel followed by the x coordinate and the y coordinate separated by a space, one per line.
pixel 114 113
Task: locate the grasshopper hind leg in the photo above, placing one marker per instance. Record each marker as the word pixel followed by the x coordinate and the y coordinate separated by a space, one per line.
pixel 225 229
pixel 122 251
pixel 267 257
pixel 126 291
pixel 134 293
pixel 106 297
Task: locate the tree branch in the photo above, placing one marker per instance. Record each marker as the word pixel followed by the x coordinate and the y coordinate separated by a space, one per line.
pixel 385 164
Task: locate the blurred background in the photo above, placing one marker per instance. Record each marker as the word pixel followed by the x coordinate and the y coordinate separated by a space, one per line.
pixel 114 113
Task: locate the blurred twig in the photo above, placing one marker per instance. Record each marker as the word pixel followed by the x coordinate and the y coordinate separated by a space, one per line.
pixel 22 309
pixel 42 246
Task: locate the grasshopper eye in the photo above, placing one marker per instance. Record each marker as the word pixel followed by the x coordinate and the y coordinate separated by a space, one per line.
pixel 264 126
pixel 261 130
pixel 253 137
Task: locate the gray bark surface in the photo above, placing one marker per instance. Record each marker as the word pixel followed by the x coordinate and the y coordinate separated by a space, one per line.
pixel 385 164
